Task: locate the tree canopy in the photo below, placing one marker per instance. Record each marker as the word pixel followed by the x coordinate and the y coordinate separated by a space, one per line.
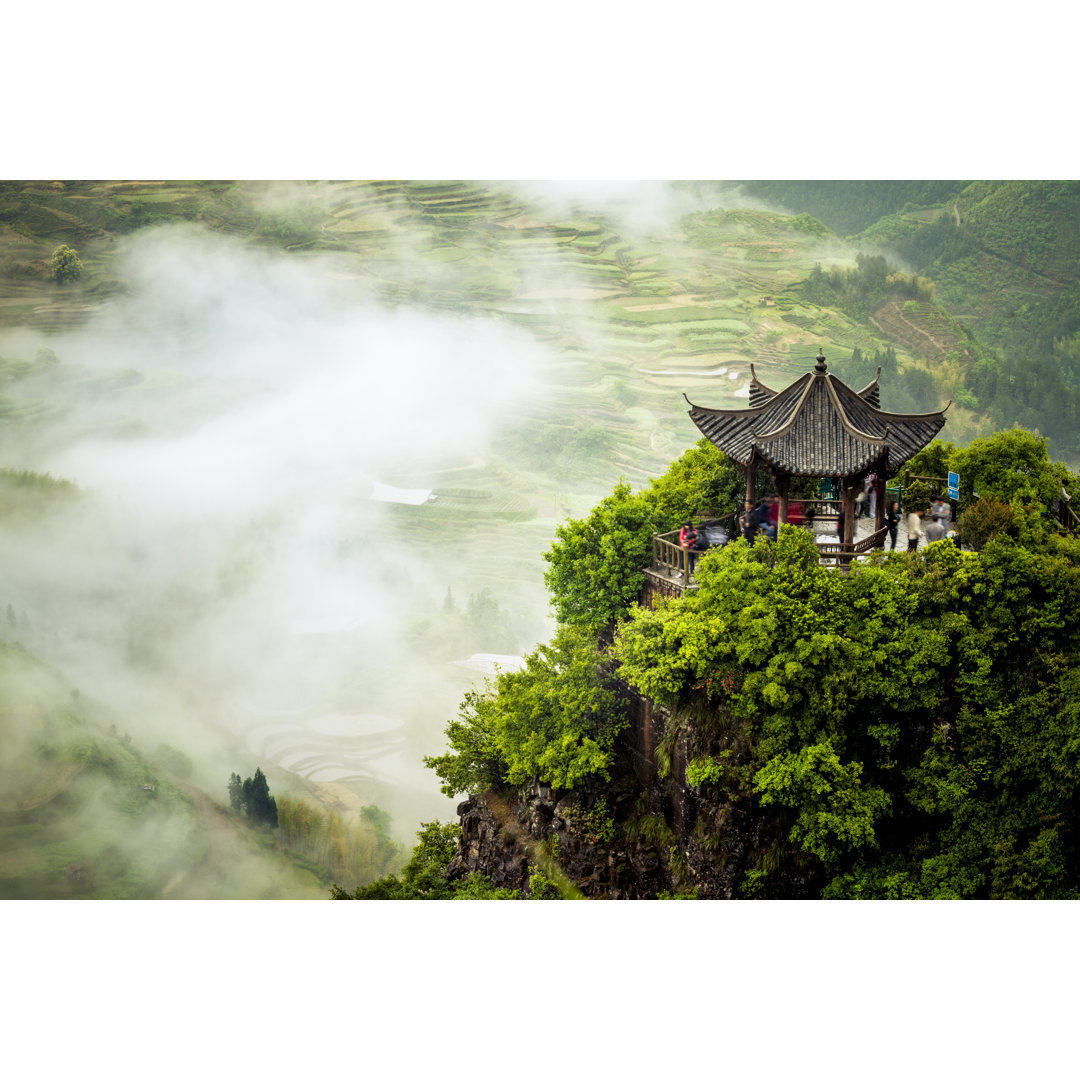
pixel 252 798
pixel 907 730
pixel 555 721
pixel 595 566
pixel 65 265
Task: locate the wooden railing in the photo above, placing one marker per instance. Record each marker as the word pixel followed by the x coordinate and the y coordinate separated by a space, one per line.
pixel 1067 518
pixel 824 509
pixel 673 560
pixel 839 555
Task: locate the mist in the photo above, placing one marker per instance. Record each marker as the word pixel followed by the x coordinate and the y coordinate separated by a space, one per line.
pixel 226 583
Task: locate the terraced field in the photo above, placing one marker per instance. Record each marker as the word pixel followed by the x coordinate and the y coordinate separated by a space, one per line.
pixel 627 319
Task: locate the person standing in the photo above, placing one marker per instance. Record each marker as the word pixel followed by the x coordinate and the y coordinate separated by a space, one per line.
pixel 914 529
pixel 688 538
pixel 892 522
pixel 771 522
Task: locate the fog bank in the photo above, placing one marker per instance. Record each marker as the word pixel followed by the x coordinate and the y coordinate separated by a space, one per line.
pixel 226 583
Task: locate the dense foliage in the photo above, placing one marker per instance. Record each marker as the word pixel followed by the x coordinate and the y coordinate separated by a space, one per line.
pixel 252 798
pixel 424 876
pixel 1008 483
pixel 594 567
pixel 555 721
pixel 908 730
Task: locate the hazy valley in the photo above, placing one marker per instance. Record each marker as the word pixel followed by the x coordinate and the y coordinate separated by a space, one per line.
pixel 281 462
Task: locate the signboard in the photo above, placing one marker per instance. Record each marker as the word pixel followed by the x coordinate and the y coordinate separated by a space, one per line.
pixel 954 485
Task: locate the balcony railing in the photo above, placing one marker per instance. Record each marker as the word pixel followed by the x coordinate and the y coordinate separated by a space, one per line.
pixel 675 561
pixel 836 554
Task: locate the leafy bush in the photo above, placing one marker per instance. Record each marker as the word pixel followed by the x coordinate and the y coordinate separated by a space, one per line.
pixel 595 566
pixel 555 721
pixel 985 519
pixel 704 770
pixel 899 735
pixel 65 266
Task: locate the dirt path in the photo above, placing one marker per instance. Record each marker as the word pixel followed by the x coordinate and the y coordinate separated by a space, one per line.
pixel 58 783
pixel 225 848
pixel 890 313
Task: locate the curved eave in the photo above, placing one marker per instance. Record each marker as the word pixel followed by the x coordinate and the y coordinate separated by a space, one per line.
pixel 758 390
pixel 915 416
pixel 755 410
pixel 797 450
pixel 870 387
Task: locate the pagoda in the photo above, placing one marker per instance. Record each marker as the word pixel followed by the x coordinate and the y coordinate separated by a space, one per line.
pixel 820 427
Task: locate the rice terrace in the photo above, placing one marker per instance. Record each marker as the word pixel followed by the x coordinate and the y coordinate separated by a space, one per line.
pixel 289 478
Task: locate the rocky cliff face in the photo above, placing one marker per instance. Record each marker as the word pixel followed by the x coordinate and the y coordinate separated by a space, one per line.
pixel 638 837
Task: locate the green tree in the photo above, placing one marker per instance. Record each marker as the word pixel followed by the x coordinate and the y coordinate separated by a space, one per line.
pixel 933 460
pixel 555 721
pixel 985 519
pixel 261 806
pixel 253 797
pixel 595 565
pixel 65 266
pixel 834 812
pixel 817 288
pixel 1013 466
pixel 424 876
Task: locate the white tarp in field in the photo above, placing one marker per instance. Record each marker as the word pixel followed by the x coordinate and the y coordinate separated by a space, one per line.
pixel 489 662
pixel 386 493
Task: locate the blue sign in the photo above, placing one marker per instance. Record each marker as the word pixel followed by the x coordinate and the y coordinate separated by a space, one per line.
pixel 954 485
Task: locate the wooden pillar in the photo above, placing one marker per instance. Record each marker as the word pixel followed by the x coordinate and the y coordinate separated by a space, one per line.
pixel 782 481
pixel 751 477
pixel 849 485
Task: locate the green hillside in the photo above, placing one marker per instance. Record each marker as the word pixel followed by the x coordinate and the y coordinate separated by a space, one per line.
pixel 957 290
pixel 1002 256
pixel 86 813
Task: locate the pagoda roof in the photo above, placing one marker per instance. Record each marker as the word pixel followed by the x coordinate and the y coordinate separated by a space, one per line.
pixel 817 426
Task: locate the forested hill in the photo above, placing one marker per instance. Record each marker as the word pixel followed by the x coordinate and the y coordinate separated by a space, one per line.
pixel 850 206
pixel 910 729
pixel 1003 260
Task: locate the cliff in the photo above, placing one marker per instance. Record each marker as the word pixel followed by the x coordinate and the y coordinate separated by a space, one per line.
pixel 639 836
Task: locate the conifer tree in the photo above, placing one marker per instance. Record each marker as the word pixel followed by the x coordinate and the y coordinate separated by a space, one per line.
pixel 261 806
pixel 252 796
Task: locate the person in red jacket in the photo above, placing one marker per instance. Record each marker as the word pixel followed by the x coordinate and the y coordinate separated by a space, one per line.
pixel 688 541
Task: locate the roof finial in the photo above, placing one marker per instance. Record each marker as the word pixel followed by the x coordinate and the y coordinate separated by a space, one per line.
pixel 820 365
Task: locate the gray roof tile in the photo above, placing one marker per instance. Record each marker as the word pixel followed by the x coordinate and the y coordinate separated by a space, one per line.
pixel 817 426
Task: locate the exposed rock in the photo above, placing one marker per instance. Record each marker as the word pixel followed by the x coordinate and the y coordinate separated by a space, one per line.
pixel 649 837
